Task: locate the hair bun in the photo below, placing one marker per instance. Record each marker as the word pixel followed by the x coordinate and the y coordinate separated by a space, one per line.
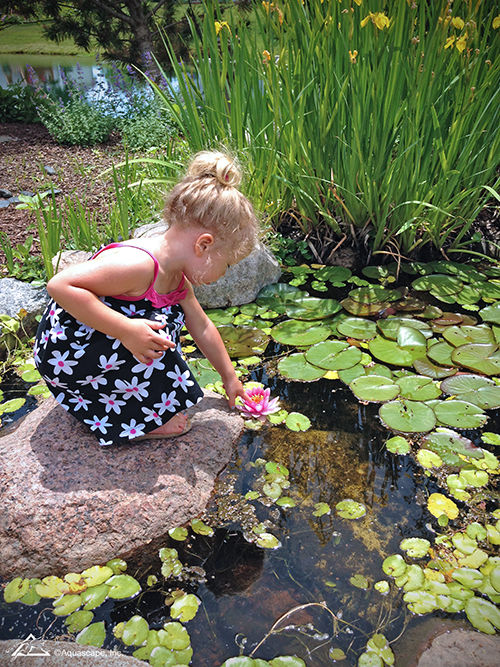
pixel 215 164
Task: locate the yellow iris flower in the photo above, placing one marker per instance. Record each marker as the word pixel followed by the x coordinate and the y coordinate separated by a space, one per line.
pixel 379 19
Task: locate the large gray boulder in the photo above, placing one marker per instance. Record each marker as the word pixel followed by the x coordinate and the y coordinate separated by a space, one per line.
pixel 68 503
pixel 16 295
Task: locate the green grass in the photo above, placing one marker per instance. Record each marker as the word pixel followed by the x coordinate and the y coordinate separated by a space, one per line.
pixel 29 39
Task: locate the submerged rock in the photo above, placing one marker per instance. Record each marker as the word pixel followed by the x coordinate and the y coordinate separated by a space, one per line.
pixel 68 503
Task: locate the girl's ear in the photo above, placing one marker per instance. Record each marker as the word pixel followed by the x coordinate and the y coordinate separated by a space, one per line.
pixel 203 244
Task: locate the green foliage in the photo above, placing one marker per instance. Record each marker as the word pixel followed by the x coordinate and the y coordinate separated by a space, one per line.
pixel 21 262
pixel 152 127
pixel 389 139
pixel 18 104
pixel 79 122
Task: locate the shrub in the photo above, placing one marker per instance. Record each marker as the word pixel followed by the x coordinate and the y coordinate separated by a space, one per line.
pixel 18 104
pixel 77 123
pixel 148 130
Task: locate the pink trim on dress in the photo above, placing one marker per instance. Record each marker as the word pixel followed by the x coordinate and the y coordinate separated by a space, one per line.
pixel 158 300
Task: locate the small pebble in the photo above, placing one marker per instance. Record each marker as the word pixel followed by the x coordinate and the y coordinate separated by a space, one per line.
pixel 50 170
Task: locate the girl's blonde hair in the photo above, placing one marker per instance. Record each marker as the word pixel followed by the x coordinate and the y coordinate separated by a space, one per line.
pixel 208 197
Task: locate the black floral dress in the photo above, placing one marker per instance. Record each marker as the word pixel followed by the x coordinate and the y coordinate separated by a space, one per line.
pixel 95 378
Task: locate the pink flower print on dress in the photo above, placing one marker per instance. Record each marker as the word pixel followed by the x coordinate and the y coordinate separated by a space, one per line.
pixel 94 381
pixel 132 430
pixel 147 369
pixel 180 379
pixel 110 364
pixel 152 415
pixel 133 388
pixel 80 402
pixel 62 363
pixel 112 403
pixel 96 423
pixel 259 406
pixel 167 403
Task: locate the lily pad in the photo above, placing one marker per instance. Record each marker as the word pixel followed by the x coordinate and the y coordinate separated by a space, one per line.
pixel 464 335
pixel 389 352
pixel 201 528
pixel 491 313
pixel 390 327
pixel 424 366
pixel 394 566
pixel 94 596
pixel 429 459
pixel 31 597
pixel 277 296
pixel 482 358
pixel 358 581
pixel 333 355
pixel 374 294
pixel 358 328
pixel 415 547
pixel 441 353
pixel 476 389
pixel 122 586
pixel 243 341
pixel 312 308
pixel 483 615
pixel 96 575
pixel 439 284
pixel 374 388
pixel 67 604
pixel 296 421
pixel 174 635
pixel 135 632
pixel 439 504
pixel 418 388
pixel 92 635
pixel 398 445
pixel 476 478
pixel 408 416
pixel 321 509
pixel 350 509
pixel 220 316
pixel 78 620
pixel 268 541
pixel 451 446
pixel 300 333
pixel 179 533
pixel 296 367
pixel 203 371
pixel 460 414
pixel 16 589
pixel 363 309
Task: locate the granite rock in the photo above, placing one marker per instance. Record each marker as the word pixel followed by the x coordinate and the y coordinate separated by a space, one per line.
pixel 16 295
pixel 68 503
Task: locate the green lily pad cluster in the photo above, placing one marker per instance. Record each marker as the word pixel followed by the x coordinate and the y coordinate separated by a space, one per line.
pixel 377 654
pixel 77 594
pixel 171 645
pixel 459 576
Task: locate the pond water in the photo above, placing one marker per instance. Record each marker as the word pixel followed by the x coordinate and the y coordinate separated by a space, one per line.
pixel 303 597
pixel 246 589
pixel 97 79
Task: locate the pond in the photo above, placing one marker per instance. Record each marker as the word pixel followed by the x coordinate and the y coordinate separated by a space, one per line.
pixel 97 79
pixel 316 593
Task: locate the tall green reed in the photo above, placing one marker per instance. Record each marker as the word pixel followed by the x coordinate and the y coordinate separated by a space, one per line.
pixel 380 116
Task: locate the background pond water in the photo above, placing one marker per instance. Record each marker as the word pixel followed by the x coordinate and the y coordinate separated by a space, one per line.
pixel 246 589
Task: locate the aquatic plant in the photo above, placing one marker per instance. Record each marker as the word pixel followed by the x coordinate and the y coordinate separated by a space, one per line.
pixel 259 404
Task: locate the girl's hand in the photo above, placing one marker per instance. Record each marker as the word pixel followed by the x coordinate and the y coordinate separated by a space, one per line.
pixel 146 340
pixel 234 388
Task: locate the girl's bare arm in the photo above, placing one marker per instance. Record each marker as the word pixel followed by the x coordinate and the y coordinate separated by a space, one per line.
pixel 208 339
pixel 78 288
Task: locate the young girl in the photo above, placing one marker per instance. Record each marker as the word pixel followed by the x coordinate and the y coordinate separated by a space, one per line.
pixel 108 342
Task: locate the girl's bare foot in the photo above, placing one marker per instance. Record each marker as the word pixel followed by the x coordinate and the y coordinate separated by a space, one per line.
pixel 175 425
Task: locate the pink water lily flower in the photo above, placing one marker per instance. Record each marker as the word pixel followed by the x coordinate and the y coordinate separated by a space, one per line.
pixel 259 405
